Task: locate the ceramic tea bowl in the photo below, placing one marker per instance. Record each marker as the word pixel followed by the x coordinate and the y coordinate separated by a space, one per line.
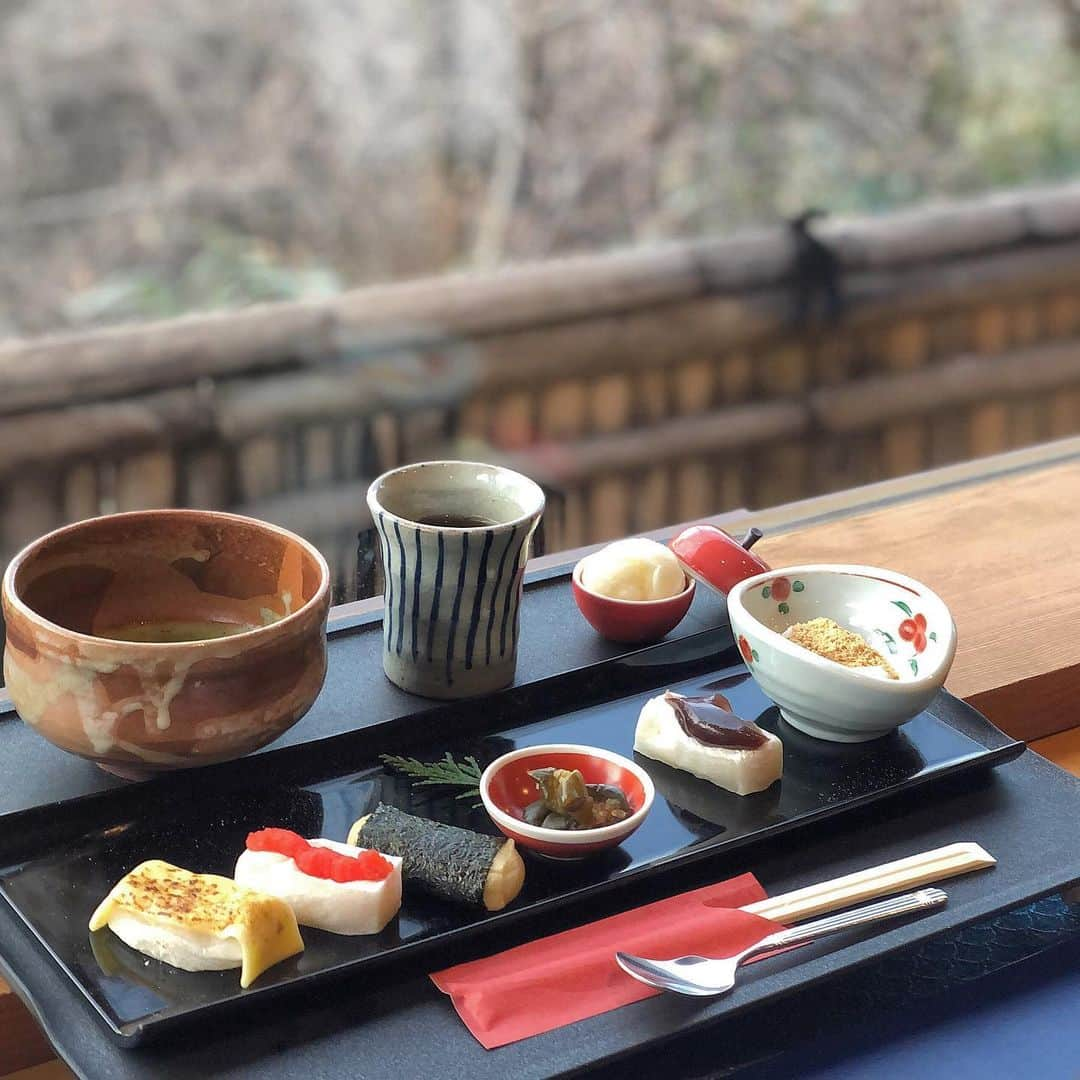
pixel 164 639
pixel 901 618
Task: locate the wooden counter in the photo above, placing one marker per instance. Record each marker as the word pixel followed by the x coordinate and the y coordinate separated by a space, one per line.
pixel 999 545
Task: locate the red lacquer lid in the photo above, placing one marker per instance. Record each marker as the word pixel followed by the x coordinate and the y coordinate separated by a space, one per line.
pixel 716 559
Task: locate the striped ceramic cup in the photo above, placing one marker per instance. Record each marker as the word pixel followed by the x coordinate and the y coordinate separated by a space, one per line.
pixel 454 537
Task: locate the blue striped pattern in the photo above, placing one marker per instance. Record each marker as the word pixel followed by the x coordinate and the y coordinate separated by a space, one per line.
pixel 440 566
pixel 474 619
pixel 418 583
pixel 455 609
pixel 452 598
pixel 512 596
pixel 401 587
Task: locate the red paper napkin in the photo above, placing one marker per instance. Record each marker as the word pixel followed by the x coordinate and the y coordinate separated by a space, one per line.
pixel 557 980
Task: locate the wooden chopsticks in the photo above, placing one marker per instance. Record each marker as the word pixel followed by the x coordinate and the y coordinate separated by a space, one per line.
pixel 863 885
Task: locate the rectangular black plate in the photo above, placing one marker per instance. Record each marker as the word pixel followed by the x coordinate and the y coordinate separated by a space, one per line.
pixel 55 872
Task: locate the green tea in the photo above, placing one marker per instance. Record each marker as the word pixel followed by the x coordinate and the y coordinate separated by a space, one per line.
pixel 172 632
pixel 456 521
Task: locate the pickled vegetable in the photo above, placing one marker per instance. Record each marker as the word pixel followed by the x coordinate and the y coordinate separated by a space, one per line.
pixel 567 802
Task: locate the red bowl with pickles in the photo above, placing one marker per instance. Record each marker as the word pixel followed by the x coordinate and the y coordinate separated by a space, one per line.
pixel 506 789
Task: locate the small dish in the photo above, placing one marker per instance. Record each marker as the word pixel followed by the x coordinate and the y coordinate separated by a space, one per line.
pixel 506 789
pixel 900 617
pixel 631 622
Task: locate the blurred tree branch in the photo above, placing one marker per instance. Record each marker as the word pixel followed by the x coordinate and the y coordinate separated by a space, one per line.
pixel 1070 13
pixel 386 140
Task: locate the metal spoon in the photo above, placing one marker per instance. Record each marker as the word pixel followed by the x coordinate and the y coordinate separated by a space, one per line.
pixel 698 976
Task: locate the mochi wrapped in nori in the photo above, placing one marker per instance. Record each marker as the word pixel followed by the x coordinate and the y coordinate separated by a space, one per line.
pixel 450 862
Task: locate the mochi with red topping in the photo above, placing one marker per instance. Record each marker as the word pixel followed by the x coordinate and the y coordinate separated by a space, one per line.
pixel 329 885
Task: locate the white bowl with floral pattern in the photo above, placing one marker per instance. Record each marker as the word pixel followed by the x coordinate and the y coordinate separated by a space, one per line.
pixel 901 618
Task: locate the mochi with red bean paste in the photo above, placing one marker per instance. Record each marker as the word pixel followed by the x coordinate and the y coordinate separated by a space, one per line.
pixel 702 736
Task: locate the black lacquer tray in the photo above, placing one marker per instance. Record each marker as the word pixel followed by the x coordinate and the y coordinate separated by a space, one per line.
pixel 57 862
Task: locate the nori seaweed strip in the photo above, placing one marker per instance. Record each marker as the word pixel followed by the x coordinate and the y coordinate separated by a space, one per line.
pixel 450 862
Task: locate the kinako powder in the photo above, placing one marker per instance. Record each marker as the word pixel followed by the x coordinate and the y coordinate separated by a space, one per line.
pixel 829 639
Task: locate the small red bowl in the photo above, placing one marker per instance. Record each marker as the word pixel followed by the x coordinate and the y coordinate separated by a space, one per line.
pixel 506 789
pixel 631 622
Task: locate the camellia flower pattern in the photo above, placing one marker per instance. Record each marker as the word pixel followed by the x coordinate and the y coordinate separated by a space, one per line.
pixel 781 588
pixel 749 654
pixel 914 630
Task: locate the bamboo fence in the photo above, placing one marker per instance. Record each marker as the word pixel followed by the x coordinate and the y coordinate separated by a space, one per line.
pixel 640 387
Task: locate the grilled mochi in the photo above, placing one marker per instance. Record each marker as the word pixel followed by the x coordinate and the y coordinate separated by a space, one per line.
pixel 199 922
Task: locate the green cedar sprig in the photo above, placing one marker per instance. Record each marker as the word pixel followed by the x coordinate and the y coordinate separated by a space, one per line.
pixel 445 772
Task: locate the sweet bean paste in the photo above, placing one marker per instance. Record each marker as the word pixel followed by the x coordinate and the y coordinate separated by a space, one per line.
pixel 710 721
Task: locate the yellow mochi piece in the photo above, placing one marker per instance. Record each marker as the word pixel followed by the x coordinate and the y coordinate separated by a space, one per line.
pixel 172 898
